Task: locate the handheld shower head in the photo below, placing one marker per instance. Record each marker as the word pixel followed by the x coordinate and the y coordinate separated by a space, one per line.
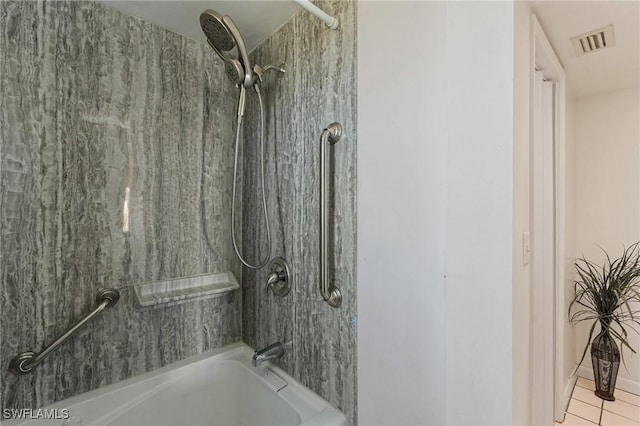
pixel 216 31
pixel 223 35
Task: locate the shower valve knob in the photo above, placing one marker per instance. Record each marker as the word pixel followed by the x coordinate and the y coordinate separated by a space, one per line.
pixel 279 280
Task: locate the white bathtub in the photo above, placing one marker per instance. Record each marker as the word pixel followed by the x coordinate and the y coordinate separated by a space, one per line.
pixel 216 388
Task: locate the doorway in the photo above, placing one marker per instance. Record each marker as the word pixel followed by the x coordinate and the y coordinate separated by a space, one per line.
pixel 551 387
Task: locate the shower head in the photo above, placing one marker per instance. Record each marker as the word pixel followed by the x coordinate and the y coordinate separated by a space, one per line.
pixel 216 31
pixel 223 35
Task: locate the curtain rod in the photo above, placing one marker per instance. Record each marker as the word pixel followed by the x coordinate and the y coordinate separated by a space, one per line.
pixel 331 22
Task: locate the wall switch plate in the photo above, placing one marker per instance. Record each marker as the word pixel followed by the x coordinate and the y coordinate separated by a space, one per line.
pixel 526 249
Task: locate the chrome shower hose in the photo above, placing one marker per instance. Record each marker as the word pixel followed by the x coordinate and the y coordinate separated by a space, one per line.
pixel 235 174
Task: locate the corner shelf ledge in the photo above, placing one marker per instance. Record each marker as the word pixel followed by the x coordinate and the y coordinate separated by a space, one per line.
pixel 184 289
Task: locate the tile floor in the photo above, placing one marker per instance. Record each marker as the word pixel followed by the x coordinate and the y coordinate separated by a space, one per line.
pixel 587 409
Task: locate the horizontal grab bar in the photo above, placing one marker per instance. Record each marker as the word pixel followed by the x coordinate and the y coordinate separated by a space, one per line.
pixel 26 361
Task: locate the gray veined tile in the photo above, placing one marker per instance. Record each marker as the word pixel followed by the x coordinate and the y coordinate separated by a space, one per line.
pixel 102 110
pixel 318 88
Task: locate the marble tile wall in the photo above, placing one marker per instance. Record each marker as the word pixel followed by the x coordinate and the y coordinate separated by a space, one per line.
pixel 319 87
pixel 115 169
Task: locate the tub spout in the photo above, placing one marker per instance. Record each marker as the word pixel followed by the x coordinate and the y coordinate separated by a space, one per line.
pixel 273 351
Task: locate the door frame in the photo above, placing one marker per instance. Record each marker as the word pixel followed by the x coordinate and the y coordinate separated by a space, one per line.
pixel 548 404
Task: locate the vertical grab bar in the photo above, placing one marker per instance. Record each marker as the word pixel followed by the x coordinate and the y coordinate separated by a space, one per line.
pixel 330 293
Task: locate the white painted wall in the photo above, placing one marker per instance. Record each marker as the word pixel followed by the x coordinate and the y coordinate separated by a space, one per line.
pixel 435 216
pixel 607 181
pixel 608 189
pixel 479 212
pixel 402 167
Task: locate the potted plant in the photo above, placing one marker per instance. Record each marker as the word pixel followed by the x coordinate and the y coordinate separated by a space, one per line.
pixel 609 296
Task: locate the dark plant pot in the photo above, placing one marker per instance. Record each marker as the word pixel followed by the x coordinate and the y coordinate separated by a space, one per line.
pixel 605 359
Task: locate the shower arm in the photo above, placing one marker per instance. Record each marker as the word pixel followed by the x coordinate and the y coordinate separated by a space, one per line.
pixel 260 71
pixel 273 68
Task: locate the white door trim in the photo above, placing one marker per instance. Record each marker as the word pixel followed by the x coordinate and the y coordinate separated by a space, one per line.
pixel 550 396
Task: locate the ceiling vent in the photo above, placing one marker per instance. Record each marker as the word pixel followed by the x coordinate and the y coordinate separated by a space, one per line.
pixel 593 40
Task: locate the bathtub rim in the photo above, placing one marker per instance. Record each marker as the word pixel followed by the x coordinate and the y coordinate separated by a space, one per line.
pixel 311 407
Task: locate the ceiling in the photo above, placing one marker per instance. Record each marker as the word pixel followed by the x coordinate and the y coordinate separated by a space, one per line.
pixel 612 68
pixel 256 19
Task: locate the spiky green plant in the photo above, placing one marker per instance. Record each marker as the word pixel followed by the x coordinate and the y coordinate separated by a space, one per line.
pixel 608 295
